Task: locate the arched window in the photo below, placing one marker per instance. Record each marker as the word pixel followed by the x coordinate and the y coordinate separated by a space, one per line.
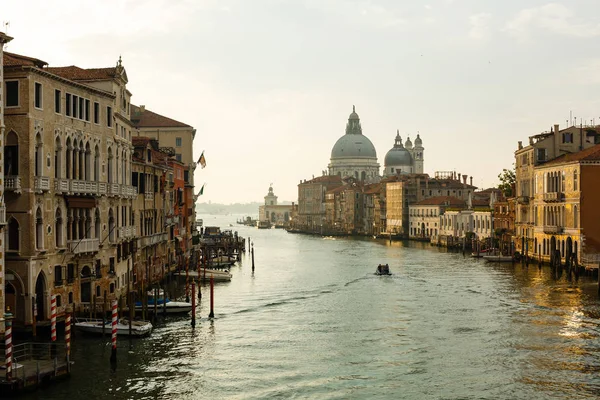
pixel 57 158
pixel 96 164
pixel 58 228
pixel 39 154
pixel 39 229
pixel 575 217
pixel 81 161
pixel 97 224
pixel 68 159
pixel 11 154
pixel 110 166
pixel 13 233
pixel 88 162
pixel 111 226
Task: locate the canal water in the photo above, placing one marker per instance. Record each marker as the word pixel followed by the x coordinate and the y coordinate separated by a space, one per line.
pixel 313 321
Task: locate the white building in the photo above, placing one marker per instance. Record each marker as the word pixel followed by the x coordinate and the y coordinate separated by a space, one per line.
pixel 425 215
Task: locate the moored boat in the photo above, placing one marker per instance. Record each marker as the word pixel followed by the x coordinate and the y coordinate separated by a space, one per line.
pixel 202 273
pixel 162 305
pixel 98 326
pixel 497 258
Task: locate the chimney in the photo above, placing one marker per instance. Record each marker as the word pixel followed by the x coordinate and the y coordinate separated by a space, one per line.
pixel 556 128
pixel 521 144
pixel 458 177
pixel 471 181
pixel 142 108
pixel 464 180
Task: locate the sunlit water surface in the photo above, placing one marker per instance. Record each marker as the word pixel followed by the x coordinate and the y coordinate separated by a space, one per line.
pixel 313 321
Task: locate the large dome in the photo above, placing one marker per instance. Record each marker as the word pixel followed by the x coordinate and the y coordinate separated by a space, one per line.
pixel 353 144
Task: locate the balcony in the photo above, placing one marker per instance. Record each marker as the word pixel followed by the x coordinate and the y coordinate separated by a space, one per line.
pixel 153 239
pixel 553 197
pixel 41 184
pixel 523 199
pixel 128 191
pixel 552 229
pixel 114 189
pixel 83 187
pixel 12 182
pixel 102 188
pixel 149 196
pixel 83 246
pixel 61 185
pixel 126 232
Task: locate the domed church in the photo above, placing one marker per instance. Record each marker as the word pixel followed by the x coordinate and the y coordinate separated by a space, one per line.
pixel 354 154
pixel 404 159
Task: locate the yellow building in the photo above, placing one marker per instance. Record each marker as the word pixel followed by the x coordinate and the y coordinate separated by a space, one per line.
pixel 565 207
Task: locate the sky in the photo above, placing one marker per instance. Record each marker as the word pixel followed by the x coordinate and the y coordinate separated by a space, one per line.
pixel 269 84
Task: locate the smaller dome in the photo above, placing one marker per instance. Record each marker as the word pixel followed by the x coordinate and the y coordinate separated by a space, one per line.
pixel 398 156
pixel 418 141
pixel 408 143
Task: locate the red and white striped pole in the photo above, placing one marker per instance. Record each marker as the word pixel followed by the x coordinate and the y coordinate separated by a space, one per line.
pixel 68 336
pixel 53 318
pixel 113 353
pixel 8 344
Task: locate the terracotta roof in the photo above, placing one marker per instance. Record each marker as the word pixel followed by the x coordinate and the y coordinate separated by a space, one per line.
pixel 140 140
pixel 373 188
pixel 450 201
pixel 480 203
pixel 325 179
pixel 149 119
pixel 80 74
pixel 17 60
pixel 591 154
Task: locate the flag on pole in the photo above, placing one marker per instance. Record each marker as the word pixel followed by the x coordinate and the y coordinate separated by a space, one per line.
pixel 199 194
pixel 202 160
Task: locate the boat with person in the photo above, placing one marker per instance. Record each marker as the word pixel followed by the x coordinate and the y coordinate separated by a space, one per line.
pixel 383 269
pixel 98 326
pixel 496 256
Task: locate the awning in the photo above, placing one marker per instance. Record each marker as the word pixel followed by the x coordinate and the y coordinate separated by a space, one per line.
pixel 80 202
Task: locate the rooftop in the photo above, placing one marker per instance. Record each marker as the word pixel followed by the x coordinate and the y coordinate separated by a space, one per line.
pixel 590 154
pixel 144 118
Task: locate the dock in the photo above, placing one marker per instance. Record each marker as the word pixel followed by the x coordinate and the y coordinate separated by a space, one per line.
pixel 34 365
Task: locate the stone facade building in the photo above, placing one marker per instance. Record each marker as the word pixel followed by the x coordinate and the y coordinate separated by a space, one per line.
pixel 311 202
pixel 542 148
pixel 69 197
pixel 424 215
pixel 273 213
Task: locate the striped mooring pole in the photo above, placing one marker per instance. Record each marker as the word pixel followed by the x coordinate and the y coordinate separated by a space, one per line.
pixel 68 336
pixel 113 352
pixel 53 318
pixel 8 345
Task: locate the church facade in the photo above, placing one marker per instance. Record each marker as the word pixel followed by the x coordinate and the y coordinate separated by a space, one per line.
pixel 354 155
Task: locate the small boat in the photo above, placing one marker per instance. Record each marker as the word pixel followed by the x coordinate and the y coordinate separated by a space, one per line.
pixel 218 275
pixel 383 269
pixel 171 307
pixel 97 326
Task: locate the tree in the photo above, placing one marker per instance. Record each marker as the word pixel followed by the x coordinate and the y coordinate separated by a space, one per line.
pixel 507 182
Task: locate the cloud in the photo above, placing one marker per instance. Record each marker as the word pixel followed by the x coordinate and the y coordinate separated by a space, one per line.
pixel 551 17
pixel 479 26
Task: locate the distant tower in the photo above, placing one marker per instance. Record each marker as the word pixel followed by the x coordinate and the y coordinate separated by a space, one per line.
pixel 418 155
pixel 271 199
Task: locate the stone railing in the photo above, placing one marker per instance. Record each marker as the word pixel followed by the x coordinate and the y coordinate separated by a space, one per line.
pixel 41 183
pixel 126 231
pixel 153 239
pixel 83 246
pixel 61 185
pixel 552 229
pixel 553 197
pixel 149 196
pixel 83 187
pixel 12 182
pixel 128 191
pixel 114 189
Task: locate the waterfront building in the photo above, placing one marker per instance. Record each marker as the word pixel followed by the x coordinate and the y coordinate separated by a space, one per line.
pixel 3 40
pixel 404 158
pixel 425 216
pixel 311 202
pixel 177 203
pixel 154 250
pixel 352 208
pixel 174 137
pixel 67 179
pixel 542 148
pixel 504 221
pixel 273 213
pixel 402 190
pixel 354 155
pixel 565 208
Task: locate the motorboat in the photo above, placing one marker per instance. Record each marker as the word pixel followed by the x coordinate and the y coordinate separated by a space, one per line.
pixel 162 304
pixel 99 326
pixel 383 269
pixel 205 273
